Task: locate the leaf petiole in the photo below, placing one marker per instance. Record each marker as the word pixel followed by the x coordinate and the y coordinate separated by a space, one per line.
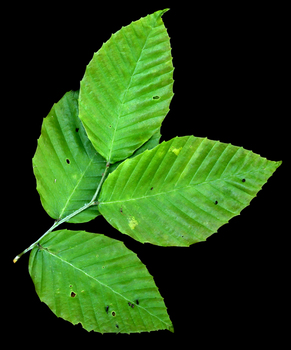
pixel 68 217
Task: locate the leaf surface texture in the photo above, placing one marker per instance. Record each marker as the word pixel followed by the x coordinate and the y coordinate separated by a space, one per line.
pixel 183 190
pixel 66 166
pixel 127 88
pixel 94 280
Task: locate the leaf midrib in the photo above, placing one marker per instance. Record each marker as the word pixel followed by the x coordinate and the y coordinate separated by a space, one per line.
pixel 124 96
pixel 105 285
pixel 75 188
pixel 179 188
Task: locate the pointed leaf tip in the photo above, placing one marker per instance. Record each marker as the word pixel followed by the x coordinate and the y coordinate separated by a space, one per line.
pixel 117 100
pixel 192 186
pixel 65 164
pixel 161 12
pixel 75 277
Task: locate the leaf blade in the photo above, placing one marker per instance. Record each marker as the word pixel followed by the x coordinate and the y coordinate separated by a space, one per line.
pixel 66 166
pixel 183 190
pixel 127 88
pixel 94 280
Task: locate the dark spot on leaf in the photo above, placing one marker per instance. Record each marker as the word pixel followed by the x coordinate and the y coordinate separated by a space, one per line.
pixel 137 302
pixel 156 97
pixel 117 326
pixel 113 313
pixel 39 246
pixel 107 308
pixel 71 286
pixel 243 180
pixel 216 202
pixel 77 129
pixel 68 161
pixel 73 294
pixel 152 188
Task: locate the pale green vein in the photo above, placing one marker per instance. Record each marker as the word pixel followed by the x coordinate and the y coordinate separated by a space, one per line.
pixel 123 100
pixel 75 188
pixel 105 285
pixel 179 189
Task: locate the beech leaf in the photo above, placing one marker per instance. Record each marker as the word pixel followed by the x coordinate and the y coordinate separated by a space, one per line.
pixel 95 280
pixel 99 153
pixel 183 190
pixel 66 166
pixel 127 88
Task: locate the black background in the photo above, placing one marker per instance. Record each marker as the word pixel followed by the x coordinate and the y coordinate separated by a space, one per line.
pixel 230 71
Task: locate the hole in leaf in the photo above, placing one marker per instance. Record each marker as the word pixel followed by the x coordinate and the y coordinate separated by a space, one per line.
pixel 117 326
pixel 73 294
pixel 107 308
pixel 243 180
pixel 156 97
pixel 152 188
pixel 113 313
pixel 215 202
pixel 77 129
pixel 137 302
pixel 68 161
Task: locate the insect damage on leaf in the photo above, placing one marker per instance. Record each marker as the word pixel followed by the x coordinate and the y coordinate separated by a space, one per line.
pixel 188 173
pixel 175 193
pixel 79 261
pixel 128 87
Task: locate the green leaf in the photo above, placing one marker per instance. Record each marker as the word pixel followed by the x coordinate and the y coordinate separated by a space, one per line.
pixel 127 88
pixel 183 190
pixel 151 143
pixel 66 166
pixel 96 281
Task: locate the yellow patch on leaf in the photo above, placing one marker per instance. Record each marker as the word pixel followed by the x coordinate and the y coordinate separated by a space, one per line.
pixel 176 150
pixel 132 222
